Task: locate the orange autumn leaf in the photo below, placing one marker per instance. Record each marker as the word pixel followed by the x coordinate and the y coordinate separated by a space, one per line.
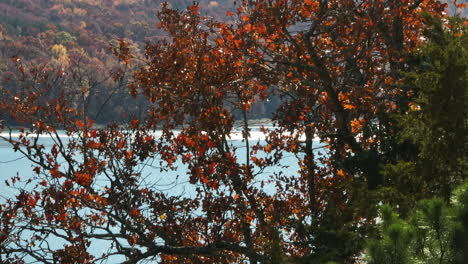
pixel 84 179
pixel 356 125
pixel 349 106
pixel 219 41
pixel 94 144
pixel 79 123
pixel 132 240
pixel 135 123
pixel 129 154
pixel 134 212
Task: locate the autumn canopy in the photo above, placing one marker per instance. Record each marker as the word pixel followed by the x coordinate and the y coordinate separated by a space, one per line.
pixel 306 192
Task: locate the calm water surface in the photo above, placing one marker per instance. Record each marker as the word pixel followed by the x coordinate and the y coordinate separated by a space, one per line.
pixel 171 182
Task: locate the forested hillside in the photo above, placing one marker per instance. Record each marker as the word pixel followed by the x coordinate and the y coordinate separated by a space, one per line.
pixel 76 36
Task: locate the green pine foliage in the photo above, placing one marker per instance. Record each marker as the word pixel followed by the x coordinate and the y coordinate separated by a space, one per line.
pixel 436 118
pixel 434 225
pixel 459 241
pixel 392 246
pixel 434 233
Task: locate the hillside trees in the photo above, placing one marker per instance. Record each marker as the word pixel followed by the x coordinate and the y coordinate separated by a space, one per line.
pixel 333 62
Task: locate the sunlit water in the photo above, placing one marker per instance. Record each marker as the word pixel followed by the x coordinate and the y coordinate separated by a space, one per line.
pixel 172 182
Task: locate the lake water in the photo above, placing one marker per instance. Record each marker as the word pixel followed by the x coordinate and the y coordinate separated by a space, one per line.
pixel 171 182
pixel 14 163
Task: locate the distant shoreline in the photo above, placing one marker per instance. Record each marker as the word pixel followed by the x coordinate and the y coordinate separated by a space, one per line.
pixel 237 124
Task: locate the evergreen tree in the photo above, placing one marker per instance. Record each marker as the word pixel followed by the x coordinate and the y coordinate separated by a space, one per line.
pixel 434 233
pixel 435 229
pixel 435 120
pixel 392 247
